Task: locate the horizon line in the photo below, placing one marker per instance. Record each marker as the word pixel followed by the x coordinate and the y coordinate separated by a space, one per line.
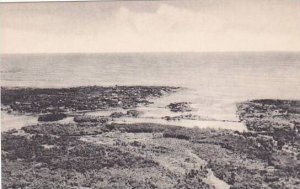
pixel 151 52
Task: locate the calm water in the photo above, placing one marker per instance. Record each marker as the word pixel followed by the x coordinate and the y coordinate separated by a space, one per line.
pixel 214 81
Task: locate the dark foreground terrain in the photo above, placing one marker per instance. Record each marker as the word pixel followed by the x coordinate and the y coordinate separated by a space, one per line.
pixel 92 153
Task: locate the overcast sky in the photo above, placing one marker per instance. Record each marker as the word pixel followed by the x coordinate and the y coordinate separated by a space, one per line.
pixel 143 26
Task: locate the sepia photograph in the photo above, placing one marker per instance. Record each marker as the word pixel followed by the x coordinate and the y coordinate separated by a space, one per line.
pixel 163 94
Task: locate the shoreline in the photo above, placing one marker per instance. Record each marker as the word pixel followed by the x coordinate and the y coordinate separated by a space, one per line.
pixel 91 151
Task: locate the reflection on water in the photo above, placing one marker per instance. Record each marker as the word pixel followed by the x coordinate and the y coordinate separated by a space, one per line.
pixel 155 112
pixel 152 113
pixel 15 121
pixel 236 126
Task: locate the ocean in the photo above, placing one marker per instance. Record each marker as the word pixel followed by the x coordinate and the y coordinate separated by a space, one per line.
pixel 213 82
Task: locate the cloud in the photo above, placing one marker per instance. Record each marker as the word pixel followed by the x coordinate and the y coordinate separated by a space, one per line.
pixel 151 26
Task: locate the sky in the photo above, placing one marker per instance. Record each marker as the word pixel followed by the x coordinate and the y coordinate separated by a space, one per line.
pixel 150 26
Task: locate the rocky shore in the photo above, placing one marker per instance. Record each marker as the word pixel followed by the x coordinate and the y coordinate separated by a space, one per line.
pixel 92 152
pixel 33 100
pixel 279 119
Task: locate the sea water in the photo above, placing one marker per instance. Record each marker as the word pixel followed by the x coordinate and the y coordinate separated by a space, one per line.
pixel 212 82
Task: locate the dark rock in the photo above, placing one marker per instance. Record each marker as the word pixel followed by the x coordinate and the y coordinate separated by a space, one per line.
pixel 116 115
pixel 94 119
pixel 133 113
pixel 52 117
pixel 180 107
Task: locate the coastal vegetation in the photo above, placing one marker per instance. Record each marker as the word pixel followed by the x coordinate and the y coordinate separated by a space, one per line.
pixel 93 152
